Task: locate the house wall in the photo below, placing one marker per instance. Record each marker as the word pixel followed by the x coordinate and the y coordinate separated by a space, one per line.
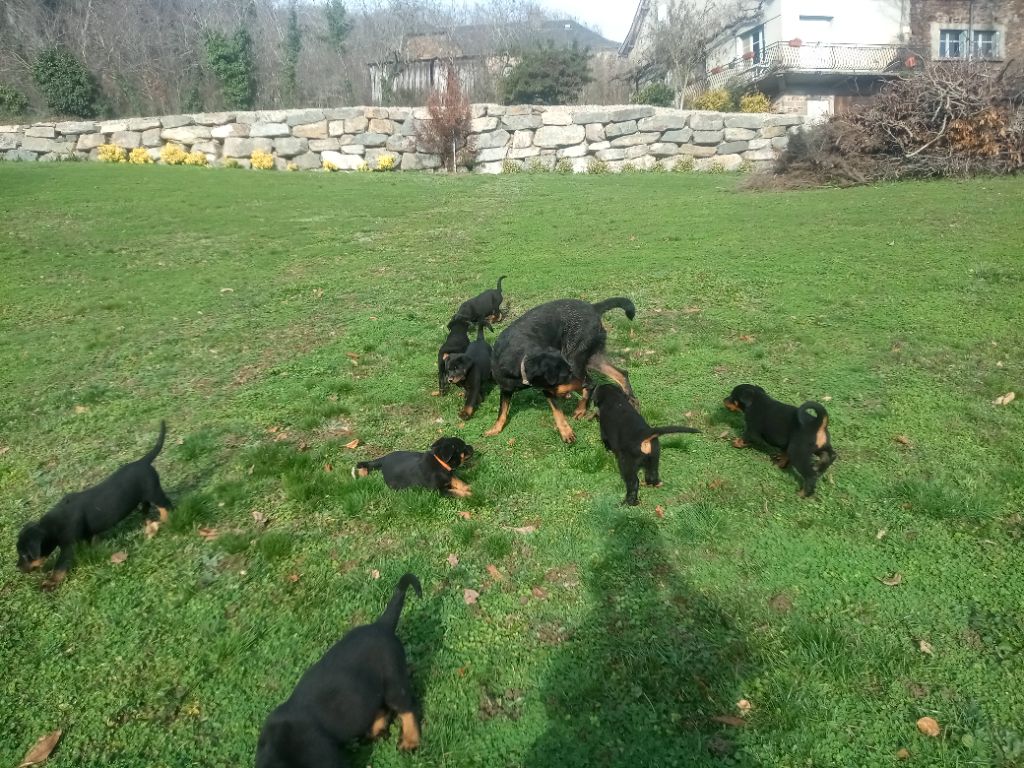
pixel 523 137
pixel 927 17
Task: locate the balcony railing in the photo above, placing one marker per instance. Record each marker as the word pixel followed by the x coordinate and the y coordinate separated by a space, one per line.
pixel 797 56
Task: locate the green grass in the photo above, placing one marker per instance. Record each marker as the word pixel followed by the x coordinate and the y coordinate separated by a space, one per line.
pixel 616 635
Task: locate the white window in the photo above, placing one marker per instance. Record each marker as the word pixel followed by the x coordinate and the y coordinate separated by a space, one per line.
pixel 953 44
pixel 985 45
pixel 752 45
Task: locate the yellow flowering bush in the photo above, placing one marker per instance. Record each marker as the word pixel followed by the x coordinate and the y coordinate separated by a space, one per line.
pixel 362 167
pixel 262 161
pixel 195 158
pixel 329 166
pixel 755 101
pixel 293 167
pixel 386 163
pixel 172 154
pixel 717 100
pixel 139 156
pixel 109 153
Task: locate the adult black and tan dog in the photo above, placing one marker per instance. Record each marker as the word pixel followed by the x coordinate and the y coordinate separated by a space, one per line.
pixel 800 433
pixel 566 328
pixel 471 370
pixel 359 686
pixel 82 515
pixel 634 442
pixel 433 469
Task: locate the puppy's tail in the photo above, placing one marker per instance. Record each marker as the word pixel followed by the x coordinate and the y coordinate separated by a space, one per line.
pixel 812 415
pixel 621 302
pixel 363 468
pixel 155 450
pixel 499 282
pixel 673 430
pixel 390 616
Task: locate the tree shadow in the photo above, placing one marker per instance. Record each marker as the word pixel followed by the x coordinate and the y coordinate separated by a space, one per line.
pixel 643 676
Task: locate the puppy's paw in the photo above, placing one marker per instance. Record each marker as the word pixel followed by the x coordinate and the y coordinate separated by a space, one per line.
pixel 739 442
pixel 53 581
pixel 568 436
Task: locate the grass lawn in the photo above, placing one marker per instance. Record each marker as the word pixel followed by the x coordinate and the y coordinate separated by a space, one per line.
pixel 272 318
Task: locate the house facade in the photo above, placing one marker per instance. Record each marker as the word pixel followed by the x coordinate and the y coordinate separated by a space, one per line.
pixel 820 57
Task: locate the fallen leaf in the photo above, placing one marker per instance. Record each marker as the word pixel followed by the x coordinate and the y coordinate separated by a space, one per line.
pixel 659 511
pixel 747 338
pixel 353 357
pixel 1006 399
pixel 41 750
pixel 929 726
pixel 436 393
pixel 903 440
pixel 903 754
pixel 539 593
pixel 881 533
pixel 328 467
pixel 781 603
pixel 118 557
pixel 453 560
pixel 730 720
pixel 826 399
pixel 715 484
pixel 495 573
pixel 81 409
pixel 352 444
pixel 227 290
pixel 926 647
pixel 4 449
pixel 293 577
pixel 273 429
pixel 209 533
pixel 470 596
pixel 724 435
pixel 744 706
pixel 260 519
pixel 303 445
pixel 511 441
pixel 375 574
pixel 466 515
pixel 691 310
pixel 318 293
pixel 252 468
pixel 150 528
pixel 525 529
pixel 893 579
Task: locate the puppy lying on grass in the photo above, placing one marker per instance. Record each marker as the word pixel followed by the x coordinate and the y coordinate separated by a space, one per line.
pixel 433 469
pixel 82 515
pixel 354 691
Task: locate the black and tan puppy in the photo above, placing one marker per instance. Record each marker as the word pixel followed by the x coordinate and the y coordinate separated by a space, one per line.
pixel 484 307
pixel 359 686
pixel 80 516
pixel 456 344
pixel 471 370
pixel 634 442
pixel 800 433
pixel 433 469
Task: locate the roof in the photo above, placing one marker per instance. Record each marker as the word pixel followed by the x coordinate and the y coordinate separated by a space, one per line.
pixel 642 9
pixel 489 39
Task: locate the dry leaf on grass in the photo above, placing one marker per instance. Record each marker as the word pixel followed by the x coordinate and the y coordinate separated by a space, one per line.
pixel 81 409
pixel 453 560
pixel 208 533
pixel 1006 399
pixel 352 444
pixel 882 532
pixel 470 596
pixel 539 593
pixel 4 449
pixel 227 290
pixel 436 393
pixel 893 579
pixel 744 706
pixel 691 310
pixel 328 467
pixel 659 511
pixel 511 441
pixel 303 446
pixel 724 435
pixel 293 577
pixel 466 515
pixel 150 528
pixel 495 573
pixel 929 726
pixel 375 574
pixel 747 338
pixel 730 720
pixel 524 529
pixel 926 647
pixel 260 519
pixel 903 440
pixel 715 484
pixel 42 749
pixel 118 557
pixel 903 754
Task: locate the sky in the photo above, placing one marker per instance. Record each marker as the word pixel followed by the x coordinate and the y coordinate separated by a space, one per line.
pixel 613 17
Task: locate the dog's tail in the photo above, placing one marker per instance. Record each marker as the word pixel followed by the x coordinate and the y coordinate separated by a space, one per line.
pixel 363 468
pixel 155 450
pixel 815 421
pixel 499 282
pixel 621 302
pixel 390 616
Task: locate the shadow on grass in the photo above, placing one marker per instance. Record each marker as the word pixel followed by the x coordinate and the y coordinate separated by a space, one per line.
pixel 644 674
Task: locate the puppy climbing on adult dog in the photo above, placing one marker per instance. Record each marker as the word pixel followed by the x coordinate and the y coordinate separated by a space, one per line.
pixel 567 338
pixel 801 434
pixel 471 370
pixel 82 515
pixel 433 469
pixel 634 442
pixel 359 686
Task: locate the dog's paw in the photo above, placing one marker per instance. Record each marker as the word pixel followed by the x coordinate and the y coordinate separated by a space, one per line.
pixel 739 442
pixel 492 432
pixel 568 436
pixel 408 745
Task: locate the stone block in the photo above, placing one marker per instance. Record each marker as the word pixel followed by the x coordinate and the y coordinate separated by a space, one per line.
pixel 750 122
pixel 377 113
pixel 304 117
pixel 317 130
pixel 522 139
pixel 521 122
pixel 520 153
pixel 231 129
pixel 9 141
pixel 771 131
pixel 267 130
pixel 663 122
pixel 708 137
pixel 344 113
pixel 89 141
pixel 188 134
pixel 79 127
pixel 341 161
pixel 483 124
pixel 150 138
pixel 239 147
pixel 780 142
pixel 706 121
pixel 595 132
pixel 401 144
pixel 580 150
pixel 491 155
pixel 41 132
pixel 370 139
pixel 592 116
pixel 732 147
pixel 323 145
pixel 599 145
pixel 682 136
pixel 126 139
pixel 556 117
pixel 614 130
pixel 664 149
pixel 498 138
pixel 739 134
pixel 693 150
pixel 357 125
pixel 173 121
pixel 629 113
pixel 210 119
pixel 554 136
pixel 611 154
pixel 290 146
pixel 636 139
pixel 381 125
pixel 20 156
pixel 784 120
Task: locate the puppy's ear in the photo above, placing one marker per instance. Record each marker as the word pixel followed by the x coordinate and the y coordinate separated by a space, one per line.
pixel 447 451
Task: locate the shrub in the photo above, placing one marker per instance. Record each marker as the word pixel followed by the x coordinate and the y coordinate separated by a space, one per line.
pixel 172 154
pixel 629 168
pixel 262 161
pixel 547 75
pixel 329 166
pixel 363 167
pixel 597 167
pixel 111 153
pixel 231 60
pixel 755 101
pixel 446 133
pixel 656 95
pixel 563 166
pixel 292 167
pixel 386 163
pixel 140 156
pixel 717 100
pixel 232 163
pixel 536 165
pixel 69 87
pixel 683 165
pixel 12 102
pixel 196 158
pixel 509 166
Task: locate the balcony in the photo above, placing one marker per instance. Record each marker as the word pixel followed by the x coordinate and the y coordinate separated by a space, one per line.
pixel 808 60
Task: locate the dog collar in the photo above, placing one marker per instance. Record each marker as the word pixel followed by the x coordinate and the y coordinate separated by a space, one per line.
pixel 438 460
pixel 522 371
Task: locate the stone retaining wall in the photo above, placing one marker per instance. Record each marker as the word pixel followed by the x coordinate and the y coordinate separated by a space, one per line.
pixel 529 137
